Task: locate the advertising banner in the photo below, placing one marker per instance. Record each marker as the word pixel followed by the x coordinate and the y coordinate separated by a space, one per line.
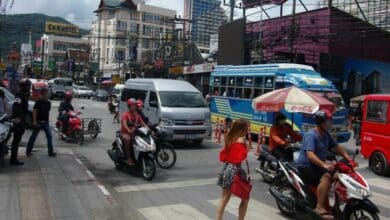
pixel 61 29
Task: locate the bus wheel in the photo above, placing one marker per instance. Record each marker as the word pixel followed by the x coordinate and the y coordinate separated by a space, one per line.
pixel 379 164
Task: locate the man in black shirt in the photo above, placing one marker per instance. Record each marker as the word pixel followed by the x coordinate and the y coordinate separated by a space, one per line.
pixel 41 122
pixel 65 107
pixel 19 112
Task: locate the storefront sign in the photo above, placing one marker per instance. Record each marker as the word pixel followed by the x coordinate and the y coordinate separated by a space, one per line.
pixel 61 29
pixel 199 68
pixel 176 70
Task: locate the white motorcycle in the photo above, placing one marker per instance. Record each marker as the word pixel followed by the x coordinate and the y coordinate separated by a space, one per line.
pixel 144 148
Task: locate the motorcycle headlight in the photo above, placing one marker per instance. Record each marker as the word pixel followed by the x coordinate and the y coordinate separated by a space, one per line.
pixel 166 122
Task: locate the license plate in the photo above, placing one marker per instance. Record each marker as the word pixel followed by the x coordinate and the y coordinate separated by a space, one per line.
pixel 190 137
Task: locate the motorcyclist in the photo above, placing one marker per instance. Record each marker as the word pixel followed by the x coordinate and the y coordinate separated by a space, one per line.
pixel 130 122
pixel 311 160
pixel 278 140
pixel 19 112
pixel 140 108
pixel 65 107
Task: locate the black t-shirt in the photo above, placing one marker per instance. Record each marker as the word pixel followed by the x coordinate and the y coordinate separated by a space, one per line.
pixel 43 109
pixel 65 106
pixel 20 106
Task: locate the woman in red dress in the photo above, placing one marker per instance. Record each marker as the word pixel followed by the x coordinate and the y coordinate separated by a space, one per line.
pixel 234 152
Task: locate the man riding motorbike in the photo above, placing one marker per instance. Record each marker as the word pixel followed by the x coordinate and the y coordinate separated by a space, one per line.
pixel 130 122
pixel 311 161
pixel 278 140
pixel 140 108
pixel 65 107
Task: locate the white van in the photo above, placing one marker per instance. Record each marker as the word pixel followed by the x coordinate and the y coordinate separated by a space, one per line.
pixel 59 86
pixel 118 89
pixel 177 106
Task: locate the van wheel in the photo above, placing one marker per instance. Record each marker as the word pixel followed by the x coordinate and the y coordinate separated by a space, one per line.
pixel 378 164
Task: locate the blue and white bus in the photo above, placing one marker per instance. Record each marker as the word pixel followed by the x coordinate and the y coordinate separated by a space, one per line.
pixel 234 88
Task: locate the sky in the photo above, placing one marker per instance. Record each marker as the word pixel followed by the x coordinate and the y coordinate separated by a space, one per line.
pixel 80 12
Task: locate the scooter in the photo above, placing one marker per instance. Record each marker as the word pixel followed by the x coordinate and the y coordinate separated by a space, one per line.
pixel 144 149
pixel 268 168
pixel 351 193
pixel 165 155
pixel 75 130
pixel 5 134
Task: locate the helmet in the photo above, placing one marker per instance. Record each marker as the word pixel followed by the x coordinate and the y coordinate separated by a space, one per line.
pixel 131 102
pixel 279 116
pixel 68 95
pixel 140 103
pixel 25 84
pixel 322 115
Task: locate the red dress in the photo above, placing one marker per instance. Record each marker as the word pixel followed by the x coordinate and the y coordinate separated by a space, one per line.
pixel 235 155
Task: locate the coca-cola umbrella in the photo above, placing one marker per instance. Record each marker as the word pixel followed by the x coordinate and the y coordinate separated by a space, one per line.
pixel 293 100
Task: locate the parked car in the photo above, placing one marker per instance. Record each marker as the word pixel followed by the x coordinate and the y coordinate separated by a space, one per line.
pixel 177 106
pixel 58 87
pixel 375 133
pixel 10 98
pixel 82 92
pixel 100 95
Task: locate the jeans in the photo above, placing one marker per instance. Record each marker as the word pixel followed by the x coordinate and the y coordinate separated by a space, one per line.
pixel 46 128
pixel 18 134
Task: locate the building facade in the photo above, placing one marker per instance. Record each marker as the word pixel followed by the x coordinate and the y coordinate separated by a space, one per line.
pixel 53 49
pixel 125 31
pixel 206 16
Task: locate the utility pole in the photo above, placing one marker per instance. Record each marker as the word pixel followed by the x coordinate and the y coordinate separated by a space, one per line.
pixel 232 3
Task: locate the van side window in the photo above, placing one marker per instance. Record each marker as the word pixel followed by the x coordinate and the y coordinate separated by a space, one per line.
pixel 133 93
pixel 377 111
pixel 153 102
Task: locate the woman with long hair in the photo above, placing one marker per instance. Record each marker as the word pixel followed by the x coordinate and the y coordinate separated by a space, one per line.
pixel 234 152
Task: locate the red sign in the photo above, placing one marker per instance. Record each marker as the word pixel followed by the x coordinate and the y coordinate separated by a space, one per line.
pixel 253 3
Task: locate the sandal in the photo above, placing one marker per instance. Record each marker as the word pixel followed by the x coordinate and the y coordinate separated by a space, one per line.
pixel 324 215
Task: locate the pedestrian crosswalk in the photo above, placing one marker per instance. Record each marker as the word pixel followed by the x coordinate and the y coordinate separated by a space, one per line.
pixel 172 212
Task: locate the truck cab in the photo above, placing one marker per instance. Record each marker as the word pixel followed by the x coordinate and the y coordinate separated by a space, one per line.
pixel 375 133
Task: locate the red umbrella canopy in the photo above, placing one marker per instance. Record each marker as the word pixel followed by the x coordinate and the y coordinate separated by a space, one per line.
pixel 292 99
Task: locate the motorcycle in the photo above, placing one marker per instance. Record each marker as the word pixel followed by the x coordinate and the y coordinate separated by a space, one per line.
pixel 75 129
pixel 144 149
pixel 5 134
pixel 268 168
pixel 165 155
pixel 351 191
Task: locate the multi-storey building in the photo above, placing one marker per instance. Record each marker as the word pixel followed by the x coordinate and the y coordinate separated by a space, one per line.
pixel 125 31
pixel 206 16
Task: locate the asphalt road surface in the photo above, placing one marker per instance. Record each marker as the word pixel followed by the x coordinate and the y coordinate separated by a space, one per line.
pixel 186 191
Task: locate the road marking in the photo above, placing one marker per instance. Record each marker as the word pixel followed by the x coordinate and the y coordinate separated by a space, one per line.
pixel 169 185
pixel 90 174
pixel 79 161
pixel 170 212
pixel 104 190
pixel 256 210
pixel 380 183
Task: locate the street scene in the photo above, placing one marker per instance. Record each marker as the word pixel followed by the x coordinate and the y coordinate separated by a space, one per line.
pixel 194 109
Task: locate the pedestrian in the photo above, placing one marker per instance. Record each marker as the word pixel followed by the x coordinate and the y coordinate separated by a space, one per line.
pixel 115 103
pixel 19 112
pixel 41 113
pixel 234 152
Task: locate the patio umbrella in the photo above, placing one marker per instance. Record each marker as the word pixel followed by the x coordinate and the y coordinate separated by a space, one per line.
pixel 292 99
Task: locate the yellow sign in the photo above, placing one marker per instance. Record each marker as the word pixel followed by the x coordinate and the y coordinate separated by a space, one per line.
pixel 176 70
pixel 61 28
pixel 116 79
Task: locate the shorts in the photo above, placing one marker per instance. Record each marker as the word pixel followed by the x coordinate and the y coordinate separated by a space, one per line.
pixel 311 175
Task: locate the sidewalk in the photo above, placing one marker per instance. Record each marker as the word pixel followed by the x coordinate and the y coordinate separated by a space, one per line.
pixel 50 188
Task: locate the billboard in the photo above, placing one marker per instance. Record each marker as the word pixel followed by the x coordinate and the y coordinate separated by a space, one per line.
pixel 253 3
pixel 61 29
pixel 231 43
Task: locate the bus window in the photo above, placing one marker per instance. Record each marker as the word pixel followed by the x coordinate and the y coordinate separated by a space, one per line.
pixel 223 91
pixel 269 82
pixel 240 81
pixel 223 80
pixel 217 81
pixel 247 93
pixel 230 92
pixel 279 85
pixel 216 91
pixel 248 82
pixel 259 81
pixel 232 81
pixel 258 92
pixel 238 93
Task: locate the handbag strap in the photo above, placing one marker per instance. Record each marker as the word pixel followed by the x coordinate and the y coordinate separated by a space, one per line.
pixel 247 167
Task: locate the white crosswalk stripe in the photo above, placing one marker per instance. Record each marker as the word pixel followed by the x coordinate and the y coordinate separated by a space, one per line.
pixel 380 183
pixel 256 210
pixel 173 212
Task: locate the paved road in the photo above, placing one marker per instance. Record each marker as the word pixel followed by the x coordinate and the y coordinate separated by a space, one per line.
pixel 188 190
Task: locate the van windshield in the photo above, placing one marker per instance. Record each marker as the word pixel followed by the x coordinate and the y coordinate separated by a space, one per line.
pixel 182 99
pixel 336 98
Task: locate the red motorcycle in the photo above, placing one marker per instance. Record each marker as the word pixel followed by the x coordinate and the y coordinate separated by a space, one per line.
pixel 75 129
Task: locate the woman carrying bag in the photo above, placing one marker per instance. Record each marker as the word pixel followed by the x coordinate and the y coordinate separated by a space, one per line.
pixel 233 178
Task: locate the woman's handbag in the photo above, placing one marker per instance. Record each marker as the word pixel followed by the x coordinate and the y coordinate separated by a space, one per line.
pixel 241 186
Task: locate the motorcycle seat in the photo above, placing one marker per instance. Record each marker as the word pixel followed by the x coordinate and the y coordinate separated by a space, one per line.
pixel 292 167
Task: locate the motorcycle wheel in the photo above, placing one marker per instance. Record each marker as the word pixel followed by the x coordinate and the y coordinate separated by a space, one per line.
pixel 267 169
pixel 148 168
pixel 79 137
pixel 288 191
pixel 166 156
pixel 93 128
pixel 359 213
